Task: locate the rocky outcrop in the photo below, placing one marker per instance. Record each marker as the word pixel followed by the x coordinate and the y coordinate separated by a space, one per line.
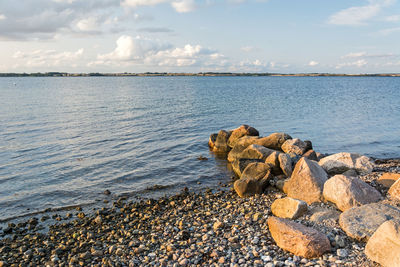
pixel 256 152
pixel 254 179
pixel 341 162
pixel 288 208
pixel 384 245
pixel 394 190
pixel 388 179
pixel 294 146
pixel 257 170
pixel 361 222
pixel 347 192
pixel 239 165
pixel 306 182
pixel 274 141
pixel 241 145
pixel 298 239
pixel 211 140
pixel 221 142
pixel 243 130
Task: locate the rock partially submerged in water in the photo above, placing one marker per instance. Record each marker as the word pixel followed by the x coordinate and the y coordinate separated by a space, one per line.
pixel 243 130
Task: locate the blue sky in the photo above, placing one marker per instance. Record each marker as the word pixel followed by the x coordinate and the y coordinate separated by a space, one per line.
pixel 200 35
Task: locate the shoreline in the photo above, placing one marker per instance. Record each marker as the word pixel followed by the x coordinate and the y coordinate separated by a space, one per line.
pixel 185 229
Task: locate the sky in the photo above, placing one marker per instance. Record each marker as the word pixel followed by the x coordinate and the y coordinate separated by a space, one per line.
pixel 278 36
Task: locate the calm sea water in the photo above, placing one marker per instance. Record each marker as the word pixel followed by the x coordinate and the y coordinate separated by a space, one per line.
pixel 63 141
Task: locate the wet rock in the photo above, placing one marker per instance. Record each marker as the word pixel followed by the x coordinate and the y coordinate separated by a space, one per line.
pixel 294 146
pixel 394 190
pixel 286 164
pixel 221 142
pixel 307 181
pixel 361 222
pixel 384 245
pixel 298 239
pixel 239 165
pixel 341 162
pixel 388 179
pixel 347 192
pixel 243 130
pixel 211 140
pixel 289 208
pixel 274 141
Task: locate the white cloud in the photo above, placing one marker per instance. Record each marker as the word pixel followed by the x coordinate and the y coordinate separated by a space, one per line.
pixel 88 24
pixel 394 18
pixel 180 6
pixel 389 31
pixel 47 58
pixel 367 55
pixel 355 55
pixel 313 63
pixel 359 15
pixel 359 63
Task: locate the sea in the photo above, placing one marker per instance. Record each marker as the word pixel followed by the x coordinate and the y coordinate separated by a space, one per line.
pixel 65 140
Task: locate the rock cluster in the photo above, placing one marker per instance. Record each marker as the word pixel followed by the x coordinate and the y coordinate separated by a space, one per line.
pixel 308 178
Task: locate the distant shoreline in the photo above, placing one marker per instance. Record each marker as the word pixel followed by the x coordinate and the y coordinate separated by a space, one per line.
pixel 200 74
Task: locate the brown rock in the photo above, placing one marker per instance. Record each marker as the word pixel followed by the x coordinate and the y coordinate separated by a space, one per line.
pixel 273 159
pixel 257 170
pixel 217 225
pixel 212 139
pixel 361 222
pixel 298 239
pixel 384 245
pixel 307 181
pixel 289 208
pixel 394 190
pixel 221 142
pixel 239 165
pixel 247 187
pixel 243 130
pixel 341 162
pixel 325 216
pixel 285 163
pixel 256 152
pixel 347 192
pixel 388 179
pixel 310 154
pixel 274 141
pixel 241 145
pixel 294 146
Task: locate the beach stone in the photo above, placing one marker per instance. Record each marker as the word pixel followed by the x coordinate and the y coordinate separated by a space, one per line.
pixel 325 216
pixel 241 145
pixel 273 159
pixel 259 171
pixel 217 225
pixel 394 190
pixel 256 152
pixel 247 187
pixel 212 139
pixel 221 142
pixel 286 164
pixel 310 154
pixel 3 264
pixel 243 130
pixel 288 208
pixel 274 140
pixel 341 162
pixel 306 182
pixel 361 222
pixel 298 239
pixel 384 245
pixel 239 165
pixel 347 192
pixel 295 146
pixel 388 179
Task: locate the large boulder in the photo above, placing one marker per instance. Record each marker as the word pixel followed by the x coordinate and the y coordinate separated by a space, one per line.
pixel 286 164
pixel 273 159
pixel 310 154
pixel 394 190
pixel 294 146
pixel 306 182
pixel 361 222
pixel 248 187
pixel 243 130
pixel 298 239
pixel 241 145
pixel 341 162
pixel 221 142
pixel 274 140
pixel 239 165
pixel 384 245
pixel 388 179
pixel 259 171
pixel 288 208
pixel 256 152
pixel 347 192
